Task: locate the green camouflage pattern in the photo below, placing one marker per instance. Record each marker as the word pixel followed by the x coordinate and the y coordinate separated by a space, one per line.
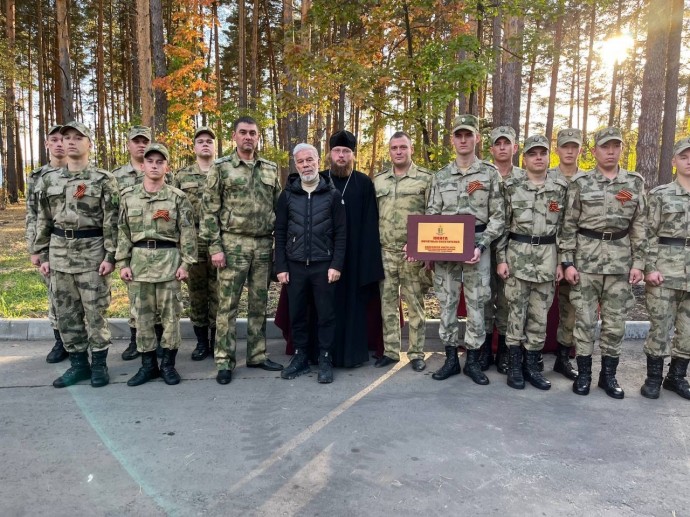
pixel 558 173
pixel 33 186
pixel 127 176
pixel 566 315
pixel 153 303
pixel 668 308
pixel 496 309
pixel 528 307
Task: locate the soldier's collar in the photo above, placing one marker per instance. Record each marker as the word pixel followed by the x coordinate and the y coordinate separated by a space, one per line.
pixel 680 191
pixel 162 194
pixel 473 166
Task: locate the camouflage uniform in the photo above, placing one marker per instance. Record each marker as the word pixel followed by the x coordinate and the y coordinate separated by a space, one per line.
pixel 451 194
pixel 153 219
pixel 238 215
pixel 397 197
pixel 73 202
pixel 203 277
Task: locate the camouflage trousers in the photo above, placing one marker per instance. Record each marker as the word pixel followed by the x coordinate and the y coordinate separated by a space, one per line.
pixel 132 320
pixel 413 281
pixel 248 260
pixel 613 294
pixel 155 302
pixel 203 291
pixel 496 309
pixel 528 304
pixel 566 315
pixel 668 308
pixel 51 303
pixel 448 277
pixel 81 300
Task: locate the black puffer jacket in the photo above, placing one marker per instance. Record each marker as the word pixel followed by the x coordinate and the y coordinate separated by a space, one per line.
pixel 309 227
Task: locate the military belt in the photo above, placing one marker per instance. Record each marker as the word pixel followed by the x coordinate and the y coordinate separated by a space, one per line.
pixel 534 240
pixel 603 236
pixel 675 241
pixel 152 244
pixel 479 228
pixel 78 234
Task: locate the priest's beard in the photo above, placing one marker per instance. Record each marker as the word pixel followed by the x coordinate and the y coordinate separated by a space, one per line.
pixel 341 171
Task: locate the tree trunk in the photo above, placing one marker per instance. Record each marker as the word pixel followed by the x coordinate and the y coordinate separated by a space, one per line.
pixel 497 75
pixel 160 113
pixel 30 92
pixel 42 155
pixel 64 65
pixel 255 57
pixel 512 75
pixel 555 65
pixel 530 89
pixel 11 171
pixel 219 79
pixel 242 53
pixel 145 67
pixel 588 71
pixel 616 70
pixel 100 92
pixel 135 101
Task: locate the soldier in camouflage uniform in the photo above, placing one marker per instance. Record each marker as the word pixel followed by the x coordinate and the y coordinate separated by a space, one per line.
pixel 473 187
pixel 569 147
pixel 401 190
pixel 603 249
pixel 76 237
pixel 503 148
pixel 156 247
pixel 238 216
pixel 203 277
pixel 668 279
pixel 527 258
pixel 57 160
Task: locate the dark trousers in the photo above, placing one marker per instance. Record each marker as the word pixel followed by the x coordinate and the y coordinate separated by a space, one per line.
pixel 306 279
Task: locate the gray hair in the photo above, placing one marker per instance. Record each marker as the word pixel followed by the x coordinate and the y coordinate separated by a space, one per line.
pixel 304 147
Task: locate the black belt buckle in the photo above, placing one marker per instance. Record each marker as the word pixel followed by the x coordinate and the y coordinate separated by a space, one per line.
pixel 149 245
pixel 687 242
pixel 606 236
pixel 69 233
pixel 535 240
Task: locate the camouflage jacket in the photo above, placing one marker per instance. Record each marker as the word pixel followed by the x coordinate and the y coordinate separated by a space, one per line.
pixel 33 185
pixel 556 171
pixel 535 210
pixel 240 199
pixel 597 203
pixel 477 192
pixel 128 176
pixel 166 215
pixel 83 200
pixel 668 215
pixel 397 197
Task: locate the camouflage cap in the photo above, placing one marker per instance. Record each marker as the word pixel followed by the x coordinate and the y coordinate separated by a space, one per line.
pixel 83 130
pixel 469 122
pixel 157 148
pixel 535 141
pixel 606 135
pixel 681 145
pixel 568 135
pixel 54 129
pixel 503 132
pixel 204 129
pixel 136 131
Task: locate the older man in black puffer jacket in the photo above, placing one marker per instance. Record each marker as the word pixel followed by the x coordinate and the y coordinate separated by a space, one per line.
pixel 310 253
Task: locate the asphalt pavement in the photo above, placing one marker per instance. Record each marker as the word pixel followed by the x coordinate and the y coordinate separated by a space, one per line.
pixel 376 442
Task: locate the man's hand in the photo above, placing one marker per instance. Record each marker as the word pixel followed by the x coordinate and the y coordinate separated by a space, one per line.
pixel 655 278
pixel 333 275
pixel 181 274
pixel 503 270
pixel 218 260
pixel 572 276
pixel 36 260
pixel 284 278
pixel 476 257
pixel 45 269
pixel 559 273
pixel 126 274
pixel 106 268
pixel 635 276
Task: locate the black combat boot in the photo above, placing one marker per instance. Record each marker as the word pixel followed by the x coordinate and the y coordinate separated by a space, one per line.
pixel 78 371
pixel 675 378
pixel 531 371
pixel 584 375
pixel 325 368
pixel 472 368
pixel 450 367
pixel 502 355
pixel 168 372
pixel 148 371
pixel 607 377
pixel 158 329
pixel 486 358
pixel 562 364
pixel 515 378
pixel 131 351
pixel 212 341
pixel 540 362
pixel 99 368
pixel 58 352
pixel 202 347
pixel 299 365
pixel 655 374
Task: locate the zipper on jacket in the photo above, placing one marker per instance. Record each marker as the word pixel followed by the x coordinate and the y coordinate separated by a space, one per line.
pixel 308 247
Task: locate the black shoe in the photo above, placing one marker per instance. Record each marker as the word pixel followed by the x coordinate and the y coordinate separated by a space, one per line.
pixel 325 369
pixel 158 329
pixel 58 352
pixel 299 365
pixel 562 364
pixel 418 364
pixel 148 371
pixel 655 374
pixel 168 371
pixel 486 358
pixel 267 365
pixel 450 367
pixel 472 368
pixel 385 361
pixel 540 362
pixel 80 370
pixel 224 376
pixel 202 349
pixel 502 356
pixel 515 377
pixel 531 371
pixel 675 379
pixel 607 377
pixel 99 369
pixel 131 351
pixel 584 375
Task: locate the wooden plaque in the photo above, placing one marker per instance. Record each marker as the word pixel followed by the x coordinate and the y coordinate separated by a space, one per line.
pixel 440 237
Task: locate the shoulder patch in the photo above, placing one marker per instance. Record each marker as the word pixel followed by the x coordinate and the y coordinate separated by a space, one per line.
pixel 177 191
pixel 267 162
pixel 637 175
pixel 559 180
pixel 486 162
pixel 386 170
pixel 127 190
pixel 660 188
pixel 578 176
pixel 223 159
